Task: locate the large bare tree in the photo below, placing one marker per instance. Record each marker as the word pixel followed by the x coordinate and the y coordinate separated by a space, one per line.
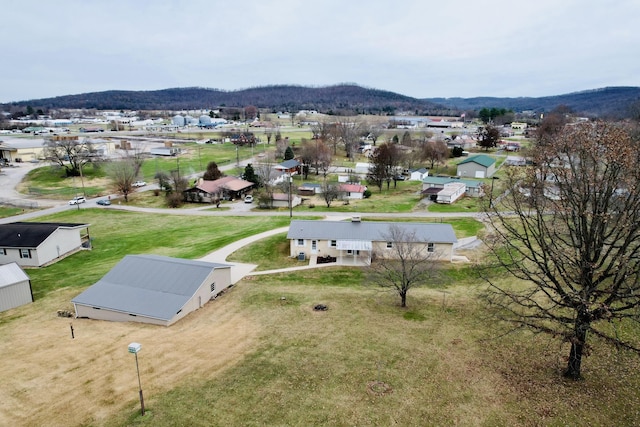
pixel 434 152
pixel 406 264
pixel 123 174
pixel 70 152
pixel 570 228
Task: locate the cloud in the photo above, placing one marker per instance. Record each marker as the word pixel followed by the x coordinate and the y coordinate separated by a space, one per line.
pixel 421 49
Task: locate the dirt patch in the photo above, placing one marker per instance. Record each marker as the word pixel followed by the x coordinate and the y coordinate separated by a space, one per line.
pixel 53 379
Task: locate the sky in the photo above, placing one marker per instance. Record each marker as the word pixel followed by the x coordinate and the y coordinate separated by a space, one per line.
pixel 418 48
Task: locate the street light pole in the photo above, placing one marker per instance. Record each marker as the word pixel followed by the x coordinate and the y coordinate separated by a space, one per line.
pixel 493 178
pixel 290 201
pixel 134 348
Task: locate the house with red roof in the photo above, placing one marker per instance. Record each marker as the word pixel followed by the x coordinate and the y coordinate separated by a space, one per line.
pixel 353 191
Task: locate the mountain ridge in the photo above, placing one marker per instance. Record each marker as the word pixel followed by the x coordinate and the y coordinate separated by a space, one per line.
pixel 615 101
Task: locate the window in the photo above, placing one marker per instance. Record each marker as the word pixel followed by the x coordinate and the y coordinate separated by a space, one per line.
pixel 389 245
pixel 333 243
pixel 3 251
pixel 25 253
pixel 213 287
pixel 300 242
pixel 430 247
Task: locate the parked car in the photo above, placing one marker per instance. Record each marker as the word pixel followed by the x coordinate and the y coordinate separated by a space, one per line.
pixel 77 200
pixel 248 198
pixel 104 202
pixel 139 184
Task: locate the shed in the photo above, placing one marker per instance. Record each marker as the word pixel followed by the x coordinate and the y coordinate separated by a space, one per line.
pixel 152 289
pixel 480 166
pixel 15 287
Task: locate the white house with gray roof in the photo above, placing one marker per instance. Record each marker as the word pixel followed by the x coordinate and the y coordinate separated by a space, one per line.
pixel 354 242
pixel 152 289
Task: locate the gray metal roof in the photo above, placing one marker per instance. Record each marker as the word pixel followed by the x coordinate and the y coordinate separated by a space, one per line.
pixel 369 230
pixel 148 285
pixel 11 274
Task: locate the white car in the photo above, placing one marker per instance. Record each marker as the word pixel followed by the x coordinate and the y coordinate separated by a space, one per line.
pixel 77 200
pixel 139 184
pixel 248 198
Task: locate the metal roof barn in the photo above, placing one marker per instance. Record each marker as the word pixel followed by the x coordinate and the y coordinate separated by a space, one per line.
pixel 152 289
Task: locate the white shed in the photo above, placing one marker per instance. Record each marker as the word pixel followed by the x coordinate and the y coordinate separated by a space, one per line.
pixel 15 287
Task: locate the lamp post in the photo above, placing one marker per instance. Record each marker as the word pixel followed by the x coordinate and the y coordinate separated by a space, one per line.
pixel 290 201
pixel 134 348
pixel 493 178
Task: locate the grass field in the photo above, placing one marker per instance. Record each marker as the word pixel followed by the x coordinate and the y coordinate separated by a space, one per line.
pixel 252 358
pixel 261 356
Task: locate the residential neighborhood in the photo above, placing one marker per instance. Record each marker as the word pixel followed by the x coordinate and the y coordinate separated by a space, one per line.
pixel 216 243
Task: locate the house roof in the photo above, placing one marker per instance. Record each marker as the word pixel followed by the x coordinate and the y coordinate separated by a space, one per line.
pixel 353 188
pixel 148 285
pixel 420 170
pixel 226 182
pixel 288 164
pixel 31 234
pixel 481 159
pixel 439 180
pixel 11 273
pixel 368 230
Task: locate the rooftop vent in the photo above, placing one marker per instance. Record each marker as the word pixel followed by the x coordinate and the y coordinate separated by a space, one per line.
pixel 355 219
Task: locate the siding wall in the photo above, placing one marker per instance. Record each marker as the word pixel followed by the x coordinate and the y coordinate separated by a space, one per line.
pixel 442 251
pixel 15 295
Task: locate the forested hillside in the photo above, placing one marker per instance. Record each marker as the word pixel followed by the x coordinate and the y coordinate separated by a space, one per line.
pixel 346 99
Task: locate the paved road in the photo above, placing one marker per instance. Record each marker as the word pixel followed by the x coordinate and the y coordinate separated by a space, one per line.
pixel 10 179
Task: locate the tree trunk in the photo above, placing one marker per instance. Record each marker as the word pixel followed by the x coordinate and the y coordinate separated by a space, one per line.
pixel 403 298
pixel 577 349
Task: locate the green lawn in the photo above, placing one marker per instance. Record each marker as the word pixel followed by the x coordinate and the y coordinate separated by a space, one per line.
pixel 116 234
pixel 367 362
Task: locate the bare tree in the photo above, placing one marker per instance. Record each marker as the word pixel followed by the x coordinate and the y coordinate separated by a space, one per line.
pixel 407 263
pixel 573 233
pixel 488 137
pixel 330 192
pixel 383 166
pixel 266 173
pixel 348 133
pixel 435 152
pixel 70 152
pixel 268 131
pixel 375 131
pixel 123 174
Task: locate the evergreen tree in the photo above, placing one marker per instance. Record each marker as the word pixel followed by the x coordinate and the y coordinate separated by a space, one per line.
pixel 250 175
pixel 288 153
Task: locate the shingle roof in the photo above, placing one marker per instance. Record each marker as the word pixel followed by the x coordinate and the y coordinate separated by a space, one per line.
pixel 368 230
pixel 227 182
pixel 30 234
pixel 148 285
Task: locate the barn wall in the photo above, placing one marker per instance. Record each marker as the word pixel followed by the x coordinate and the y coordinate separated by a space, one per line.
pixel 15 295
pixel 114 316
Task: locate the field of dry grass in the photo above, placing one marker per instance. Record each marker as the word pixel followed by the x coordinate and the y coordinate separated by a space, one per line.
pixel 54 380
pixel 260 355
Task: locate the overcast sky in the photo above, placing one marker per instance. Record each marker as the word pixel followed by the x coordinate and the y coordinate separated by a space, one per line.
pixel 418 48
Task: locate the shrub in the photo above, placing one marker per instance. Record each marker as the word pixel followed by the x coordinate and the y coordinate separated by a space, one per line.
pixel 174 200
pixel 366 194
